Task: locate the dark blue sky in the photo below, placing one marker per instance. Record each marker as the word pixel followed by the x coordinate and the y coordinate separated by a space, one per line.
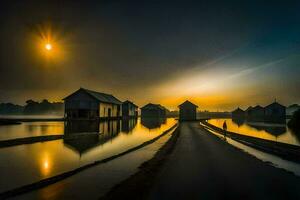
pixel 217 53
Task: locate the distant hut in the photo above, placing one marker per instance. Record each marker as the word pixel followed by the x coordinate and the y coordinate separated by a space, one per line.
pixel 153 110
pixel 238 113
pixel 187 111
pixel 129 110
pixel 248 111
pixel 257 113
pixel 275 112
pixel 87 104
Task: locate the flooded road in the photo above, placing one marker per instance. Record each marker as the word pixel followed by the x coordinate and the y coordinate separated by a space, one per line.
pixel 269 131
pixel 25 164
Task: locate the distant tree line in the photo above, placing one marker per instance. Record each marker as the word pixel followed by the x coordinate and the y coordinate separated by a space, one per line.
pixel 32 108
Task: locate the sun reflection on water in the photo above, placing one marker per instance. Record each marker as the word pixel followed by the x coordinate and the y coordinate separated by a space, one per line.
pixel 45 164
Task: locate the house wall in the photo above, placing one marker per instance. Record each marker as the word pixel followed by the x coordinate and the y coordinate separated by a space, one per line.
pixel 275 110
pixel 153 113
pixel 132 110
pixel 275 113
pixel 150 113
pixel 125 110
pixel 81 100
pixel 114 109
pixel 187 113
pixel 81 106
pixel 256 115
pixel 238 114
pixel 128 110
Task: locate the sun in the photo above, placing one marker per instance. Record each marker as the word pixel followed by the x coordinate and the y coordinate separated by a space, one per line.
pixel 48 46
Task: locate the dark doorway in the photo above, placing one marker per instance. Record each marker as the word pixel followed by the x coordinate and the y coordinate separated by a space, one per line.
pixel 82 113
pixel 109 112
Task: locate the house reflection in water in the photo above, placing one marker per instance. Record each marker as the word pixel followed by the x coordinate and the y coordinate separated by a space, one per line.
pixel 238 121
pixel 151 123
pixel 81 126
pixel 128 125
pixel 108 130
pixel 273 129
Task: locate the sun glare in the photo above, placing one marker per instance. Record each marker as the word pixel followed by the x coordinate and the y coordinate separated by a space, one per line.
pixel 48 46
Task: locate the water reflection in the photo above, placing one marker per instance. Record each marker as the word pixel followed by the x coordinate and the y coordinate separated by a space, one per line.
pixel 30 129
pixel 270 131
pixel 81 127
pixel 128 125
pixel 45 164
pixel 107 131
pixel 238 121
pixel 48 159
pixel 152 123
pixel 273 129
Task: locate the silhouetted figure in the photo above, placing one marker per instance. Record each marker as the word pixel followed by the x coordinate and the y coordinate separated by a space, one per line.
pixel 225 128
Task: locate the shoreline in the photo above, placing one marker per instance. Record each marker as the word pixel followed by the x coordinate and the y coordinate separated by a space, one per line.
pixel 283 150
pixel 44 138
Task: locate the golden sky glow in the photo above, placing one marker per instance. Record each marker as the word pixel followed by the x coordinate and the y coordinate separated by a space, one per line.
pixel 219 64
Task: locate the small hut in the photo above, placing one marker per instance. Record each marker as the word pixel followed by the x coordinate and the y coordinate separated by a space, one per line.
pixel 248 111
pixel 257 113
pixel 275 112
pixel 87 104
pixel 238 113
pixel 153 110
pixel 187 111
pixel 129 110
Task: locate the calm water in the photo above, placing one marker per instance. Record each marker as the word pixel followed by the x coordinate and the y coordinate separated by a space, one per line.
pixel 269 131
pixel 105 176
pixel 29 163
pixel 46 116
pixel 29 129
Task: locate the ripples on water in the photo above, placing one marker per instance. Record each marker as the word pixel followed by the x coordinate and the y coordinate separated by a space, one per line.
pixel 270 131
pixel 29 163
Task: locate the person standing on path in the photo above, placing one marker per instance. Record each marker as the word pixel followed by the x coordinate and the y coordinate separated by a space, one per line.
pixel 225 129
